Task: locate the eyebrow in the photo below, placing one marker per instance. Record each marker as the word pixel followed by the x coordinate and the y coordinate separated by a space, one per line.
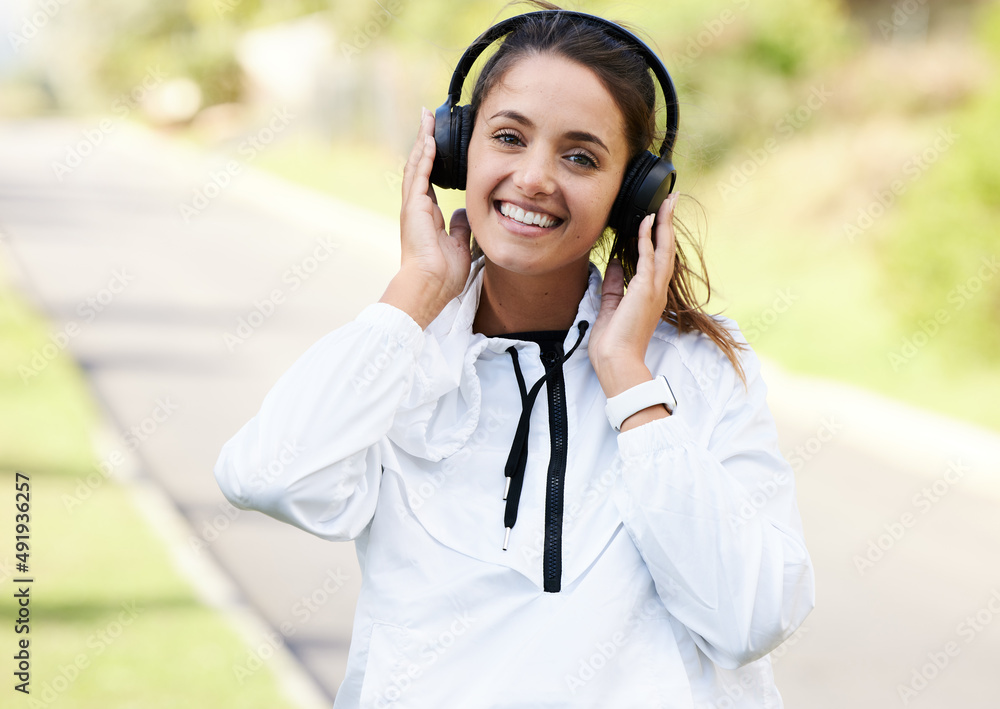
pixel 580 135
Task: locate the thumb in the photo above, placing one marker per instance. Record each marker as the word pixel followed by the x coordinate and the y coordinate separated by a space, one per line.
pixel 613 288
pixel 459 227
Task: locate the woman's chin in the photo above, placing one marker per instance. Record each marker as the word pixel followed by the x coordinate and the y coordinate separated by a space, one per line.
pixel 532 263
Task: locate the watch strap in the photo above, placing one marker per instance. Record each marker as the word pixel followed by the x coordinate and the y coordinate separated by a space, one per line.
pixel 639 397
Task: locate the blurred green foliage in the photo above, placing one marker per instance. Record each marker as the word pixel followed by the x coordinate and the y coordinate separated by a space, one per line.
pixel 741 67
pixel 940 252
pixel 197 38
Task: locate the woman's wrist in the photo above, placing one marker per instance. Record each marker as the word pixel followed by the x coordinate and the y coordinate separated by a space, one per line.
pixel 415 297
pixel 618 378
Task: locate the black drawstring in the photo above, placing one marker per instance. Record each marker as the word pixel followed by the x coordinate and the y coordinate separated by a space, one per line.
pixel 518 457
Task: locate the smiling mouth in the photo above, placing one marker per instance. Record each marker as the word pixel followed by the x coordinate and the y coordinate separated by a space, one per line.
pixel 537 219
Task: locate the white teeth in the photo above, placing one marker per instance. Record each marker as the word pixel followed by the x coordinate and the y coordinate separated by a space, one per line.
pixel 514 212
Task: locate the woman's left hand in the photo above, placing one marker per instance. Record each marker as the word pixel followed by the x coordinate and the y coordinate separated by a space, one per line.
pixel 626 321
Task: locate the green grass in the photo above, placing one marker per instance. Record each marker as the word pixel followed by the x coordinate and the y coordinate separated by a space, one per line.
pixel 45 419
pixel 113 625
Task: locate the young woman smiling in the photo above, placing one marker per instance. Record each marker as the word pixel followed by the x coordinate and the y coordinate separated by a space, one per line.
pixel 630 539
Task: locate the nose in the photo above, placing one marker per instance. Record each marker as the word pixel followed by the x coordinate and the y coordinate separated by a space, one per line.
pixel 535 173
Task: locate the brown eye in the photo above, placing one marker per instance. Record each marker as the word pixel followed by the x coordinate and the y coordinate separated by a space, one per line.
pixel 507 138
pixel 583 160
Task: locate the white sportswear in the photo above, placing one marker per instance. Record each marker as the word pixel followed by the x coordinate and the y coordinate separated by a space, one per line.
pixel 681 551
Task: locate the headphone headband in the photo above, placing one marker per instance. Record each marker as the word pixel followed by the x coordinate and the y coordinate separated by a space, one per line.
pixel 511 24
pixel 648 178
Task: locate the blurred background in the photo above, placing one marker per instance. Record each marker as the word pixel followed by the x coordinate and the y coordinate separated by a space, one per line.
pixel 839 160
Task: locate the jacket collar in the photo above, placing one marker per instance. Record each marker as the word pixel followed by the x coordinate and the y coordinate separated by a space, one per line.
pixel 440 412
pixel 456 320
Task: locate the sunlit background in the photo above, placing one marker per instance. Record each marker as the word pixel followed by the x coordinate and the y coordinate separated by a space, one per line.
pixel 840 161
pixel 846 153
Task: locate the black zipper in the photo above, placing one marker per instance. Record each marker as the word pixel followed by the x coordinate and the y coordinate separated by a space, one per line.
pixel 552 358
pixel 558 434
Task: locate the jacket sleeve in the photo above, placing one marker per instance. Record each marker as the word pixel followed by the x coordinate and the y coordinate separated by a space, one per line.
pixel 313 454
pixel 718 525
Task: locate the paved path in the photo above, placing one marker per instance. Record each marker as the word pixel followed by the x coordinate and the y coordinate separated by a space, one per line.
pixel 157 301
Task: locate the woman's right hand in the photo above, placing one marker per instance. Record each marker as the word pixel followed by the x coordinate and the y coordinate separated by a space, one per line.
pixel 434 264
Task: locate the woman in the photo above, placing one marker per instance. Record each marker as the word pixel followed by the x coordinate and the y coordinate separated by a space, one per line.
pixel 521 550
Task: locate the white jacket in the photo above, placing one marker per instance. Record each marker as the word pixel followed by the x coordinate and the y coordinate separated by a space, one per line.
pixel 682 558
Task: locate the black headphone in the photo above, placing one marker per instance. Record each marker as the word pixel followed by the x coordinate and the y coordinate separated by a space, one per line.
pixel 648 178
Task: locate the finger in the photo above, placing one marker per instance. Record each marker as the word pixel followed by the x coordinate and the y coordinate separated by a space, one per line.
pixel 666 238
pixel 613 287
pixel 420 183
pixel 645 245
pixel 435 210
pixel 459 227
pixel 419 148
pixel 413 157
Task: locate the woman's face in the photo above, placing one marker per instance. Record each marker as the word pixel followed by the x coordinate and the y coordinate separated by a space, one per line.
pixel 547 146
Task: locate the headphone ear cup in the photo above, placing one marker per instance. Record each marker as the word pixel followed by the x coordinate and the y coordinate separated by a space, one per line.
pixel 443 170
pixel 452 130
pixel 462 134
pixel 647 182
pixel 624 217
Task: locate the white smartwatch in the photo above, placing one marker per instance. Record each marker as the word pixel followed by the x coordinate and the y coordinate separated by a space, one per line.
pixel 638 398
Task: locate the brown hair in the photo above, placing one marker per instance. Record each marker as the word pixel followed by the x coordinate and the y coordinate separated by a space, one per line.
pixel 625 74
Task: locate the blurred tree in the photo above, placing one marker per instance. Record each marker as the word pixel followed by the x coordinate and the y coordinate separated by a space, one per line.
pixel 941 254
